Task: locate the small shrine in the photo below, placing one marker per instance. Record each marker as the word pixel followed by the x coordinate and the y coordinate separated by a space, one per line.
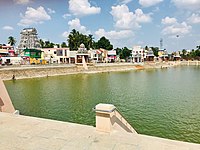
pixel 82 55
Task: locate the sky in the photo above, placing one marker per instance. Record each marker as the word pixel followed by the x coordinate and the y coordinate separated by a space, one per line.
pixel 123 22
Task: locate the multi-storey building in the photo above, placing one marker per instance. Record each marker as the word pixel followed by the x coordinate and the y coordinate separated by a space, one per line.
pixel 56 55
pixel 138 54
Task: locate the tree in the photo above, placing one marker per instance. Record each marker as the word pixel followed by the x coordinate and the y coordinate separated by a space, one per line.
pixel 11 40
pixel 41 43
pixel 146 48
pixel 48 44
pixel 123 53
pixel 58 45
pixel 104 43
pixel 75 39
pixel 126 53
pixel 184 52
pixel 63 45
pixel 118 51
pixel 90 41
pixel 155 50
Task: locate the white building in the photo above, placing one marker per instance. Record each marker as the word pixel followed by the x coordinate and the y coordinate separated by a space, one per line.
pixel 138 54
pixel 56 55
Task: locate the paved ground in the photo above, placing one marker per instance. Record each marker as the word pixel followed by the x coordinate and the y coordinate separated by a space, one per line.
pixel 28 133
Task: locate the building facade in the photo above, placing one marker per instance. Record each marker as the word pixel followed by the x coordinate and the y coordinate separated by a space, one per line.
pixel 56 55
pixel 163 55
pixel 138 54
pixel 150 55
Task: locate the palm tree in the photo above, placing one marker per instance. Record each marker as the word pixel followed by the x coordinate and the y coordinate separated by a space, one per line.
pixel 184 52
pixel 90 40
pixel 41 43
pixel 11 40
pixel 73 39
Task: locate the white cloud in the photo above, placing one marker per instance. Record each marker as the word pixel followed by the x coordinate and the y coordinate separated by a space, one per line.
pixel 141 17
pixel 22 2
pixel 8 28
pixel 117 38
pixel 65 16
pixel 177 29
pixel 124 1
pixel 187 4
pixel 82 8
pixel 75 24
pixel 65 34
pixel 168 20
pixel 194 19
pixel 124 19
pixel 114 35
pixel 34 16
pixel 50 11
pixel 148 3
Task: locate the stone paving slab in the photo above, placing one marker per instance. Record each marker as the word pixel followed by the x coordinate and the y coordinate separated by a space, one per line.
pixel 29 133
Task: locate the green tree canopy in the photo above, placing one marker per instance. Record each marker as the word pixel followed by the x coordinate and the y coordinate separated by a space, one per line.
pixel 104 43
pixel 126 53
pixel 11 40
pixel 123 53
pixel 63 45
pixel 118 51
pixel 48 44
pixel 155 50
pixel 41 43
pixel 146 48
pixel 75 39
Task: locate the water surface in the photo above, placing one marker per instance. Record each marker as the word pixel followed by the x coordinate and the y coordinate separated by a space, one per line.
pixel 162 102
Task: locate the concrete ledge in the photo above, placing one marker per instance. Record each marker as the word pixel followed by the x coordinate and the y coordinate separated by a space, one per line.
pixel 31 133
pixel 105 107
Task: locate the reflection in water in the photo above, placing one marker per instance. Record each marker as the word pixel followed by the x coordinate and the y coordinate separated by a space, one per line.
pixel 162 103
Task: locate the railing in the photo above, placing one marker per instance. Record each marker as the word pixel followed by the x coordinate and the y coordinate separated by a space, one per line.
pixel 124 121
pixel 108 118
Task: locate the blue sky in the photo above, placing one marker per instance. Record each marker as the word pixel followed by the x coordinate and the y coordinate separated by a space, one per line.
pixel 124 22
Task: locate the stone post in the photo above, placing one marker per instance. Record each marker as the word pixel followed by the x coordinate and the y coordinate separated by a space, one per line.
pixel 104 113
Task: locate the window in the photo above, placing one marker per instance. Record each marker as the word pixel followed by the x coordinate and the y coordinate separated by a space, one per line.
pixel 59 52
pixel 33 53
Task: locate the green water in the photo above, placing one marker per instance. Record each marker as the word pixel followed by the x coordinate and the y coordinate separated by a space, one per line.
pixel 162 102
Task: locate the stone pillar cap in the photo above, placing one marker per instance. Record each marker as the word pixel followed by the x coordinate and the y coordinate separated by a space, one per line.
pixel 105 107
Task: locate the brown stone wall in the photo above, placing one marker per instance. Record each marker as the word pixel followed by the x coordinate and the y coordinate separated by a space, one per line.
pixel 34 72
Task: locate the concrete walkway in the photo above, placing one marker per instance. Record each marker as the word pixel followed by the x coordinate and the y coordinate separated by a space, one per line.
pixel 28 133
